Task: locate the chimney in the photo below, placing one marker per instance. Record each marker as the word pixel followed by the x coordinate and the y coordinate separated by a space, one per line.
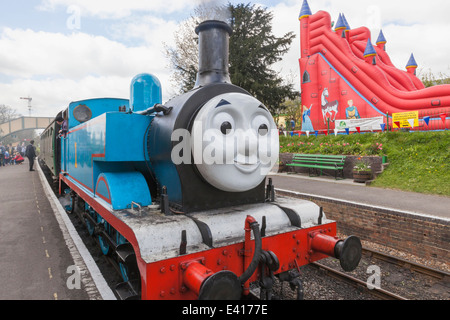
pixel 213 45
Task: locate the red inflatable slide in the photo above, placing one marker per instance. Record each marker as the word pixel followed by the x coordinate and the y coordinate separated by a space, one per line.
pixel 346 78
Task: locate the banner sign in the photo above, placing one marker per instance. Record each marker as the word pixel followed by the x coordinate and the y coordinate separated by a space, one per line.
pixel 405 119
pixel 368 124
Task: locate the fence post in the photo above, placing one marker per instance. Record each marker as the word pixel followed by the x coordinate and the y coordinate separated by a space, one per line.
pixel 387 121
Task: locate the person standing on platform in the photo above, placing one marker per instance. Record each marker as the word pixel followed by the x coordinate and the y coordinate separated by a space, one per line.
pixel 30 152
pixel 2 154
pixel 22 149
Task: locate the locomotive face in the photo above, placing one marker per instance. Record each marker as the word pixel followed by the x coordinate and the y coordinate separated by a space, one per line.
pixel 235 142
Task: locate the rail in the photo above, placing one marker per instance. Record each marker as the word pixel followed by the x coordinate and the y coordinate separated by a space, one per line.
pixel 378 292
pixel 439 274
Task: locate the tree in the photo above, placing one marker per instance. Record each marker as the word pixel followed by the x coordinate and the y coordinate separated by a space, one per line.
pixel 184 56
pixel 7 113
pixel 293 111
pixel 429 79
pixel 253 49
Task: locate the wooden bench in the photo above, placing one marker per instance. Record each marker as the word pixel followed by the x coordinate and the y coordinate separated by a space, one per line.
pixel 317 162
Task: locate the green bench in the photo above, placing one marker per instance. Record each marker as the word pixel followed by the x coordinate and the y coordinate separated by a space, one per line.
pixel 317 162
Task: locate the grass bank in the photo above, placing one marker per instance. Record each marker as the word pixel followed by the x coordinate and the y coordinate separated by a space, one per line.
pixel 418 161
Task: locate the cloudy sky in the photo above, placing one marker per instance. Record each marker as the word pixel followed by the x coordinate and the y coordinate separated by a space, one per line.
pixel 58 51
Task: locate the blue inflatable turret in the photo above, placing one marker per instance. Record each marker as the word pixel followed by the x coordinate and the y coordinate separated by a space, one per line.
pixel 340 25
pixel 347 25
pixel 305 11
pixel 381 41
pixel 412 65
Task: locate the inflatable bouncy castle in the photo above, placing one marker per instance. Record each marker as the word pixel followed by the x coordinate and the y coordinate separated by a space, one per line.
pixel 349 84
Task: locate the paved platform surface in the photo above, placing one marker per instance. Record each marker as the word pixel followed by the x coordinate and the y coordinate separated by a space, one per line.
pixel 38 259
pixel 430 205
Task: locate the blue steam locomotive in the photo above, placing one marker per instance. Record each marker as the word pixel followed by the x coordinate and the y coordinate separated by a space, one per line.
pixel 175 192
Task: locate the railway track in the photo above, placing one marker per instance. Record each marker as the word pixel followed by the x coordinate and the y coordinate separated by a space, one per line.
pixel 355 282
pixel 438 274
pixel 378 292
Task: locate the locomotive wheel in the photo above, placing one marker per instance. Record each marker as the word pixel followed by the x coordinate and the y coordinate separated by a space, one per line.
pixel 90 227
pixel 104 245
pixel 124 271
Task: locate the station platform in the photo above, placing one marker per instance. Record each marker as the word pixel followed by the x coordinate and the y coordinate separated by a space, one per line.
pixel 329 187
pixel 42 258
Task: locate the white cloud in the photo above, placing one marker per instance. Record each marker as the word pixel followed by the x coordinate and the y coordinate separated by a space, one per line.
pixel 424 41
pixel 118 8
pixel 285 19
pixel 52 95
pixel 148 29
pixel 56 68
pixel 28 53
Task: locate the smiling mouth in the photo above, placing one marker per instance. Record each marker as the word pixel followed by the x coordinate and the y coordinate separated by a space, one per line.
pixel 247 167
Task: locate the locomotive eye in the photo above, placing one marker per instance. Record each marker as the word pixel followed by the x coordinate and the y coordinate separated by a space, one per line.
pixel 225 127
pixel 263 129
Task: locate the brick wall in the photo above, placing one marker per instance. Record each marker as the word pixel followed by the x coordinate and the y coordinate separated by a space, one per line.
pixel 425 237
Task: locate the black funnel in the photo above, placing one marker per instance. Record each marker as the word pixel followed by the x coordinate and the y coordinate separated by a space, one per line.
pixel 213 45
